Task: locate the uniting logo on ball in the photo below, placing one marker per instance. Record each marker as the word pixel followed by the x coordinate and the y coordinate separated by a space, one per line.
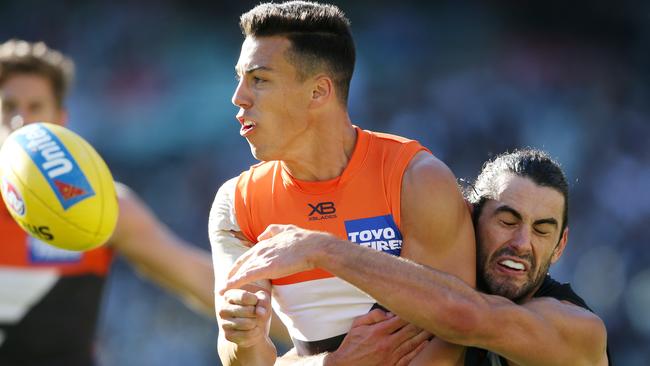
pixel 56 164
pixel 42 253
pixel 12 197
pixel 379 233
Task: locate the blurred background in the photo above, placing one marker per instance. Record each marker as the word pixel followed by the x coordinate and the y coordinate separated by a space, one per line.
pixel 467 79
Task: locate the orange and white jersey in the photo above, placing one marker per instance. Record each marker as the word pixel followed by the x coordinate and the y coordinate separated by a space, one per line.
pixel 362 206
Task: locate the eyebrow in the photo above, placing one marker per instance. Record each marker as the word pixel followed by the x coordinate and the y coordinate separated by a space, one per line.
pixel 253 69
pixel 515 213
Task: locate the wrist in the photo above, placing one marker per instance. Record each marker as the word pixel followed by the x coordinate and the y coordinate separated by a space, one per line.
pixel 320 254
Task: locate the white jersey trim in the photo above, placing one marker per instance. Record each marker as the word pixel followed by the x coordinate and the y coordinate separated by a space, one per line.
pixel 319 309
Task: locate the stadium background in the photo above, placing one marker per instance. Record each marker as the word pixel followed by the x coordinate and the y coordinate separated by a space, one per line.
pixel 468 79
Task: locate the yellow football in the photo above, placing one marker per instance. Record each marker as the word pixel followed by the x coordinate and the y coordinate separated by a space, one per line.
pixel 57 187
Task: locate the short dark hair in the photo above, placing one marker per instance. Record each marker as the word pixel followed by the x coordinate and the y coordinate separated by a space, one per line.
pixel 533 164
pixel 319 34
pixel 22 57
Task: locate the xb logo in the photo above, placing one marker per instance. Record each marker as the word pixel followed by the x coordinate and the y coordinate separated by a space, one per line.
pixel 322 208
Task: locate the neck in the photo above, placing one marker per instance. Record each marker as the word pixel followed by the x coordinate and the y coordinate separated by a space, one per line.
pixel 326 152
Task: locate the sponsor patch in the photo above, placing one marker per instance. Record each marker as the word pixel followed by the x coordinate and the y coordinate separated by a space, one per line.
pixel 56 164
pixel 379 233
pixel 13 197
pixel 43 253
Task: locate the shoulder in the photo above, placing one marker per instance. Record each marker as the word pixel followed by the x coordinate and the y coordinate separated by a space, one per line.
pixel 387 137
pixel 222 214
pixel 426 180
pixel 426 168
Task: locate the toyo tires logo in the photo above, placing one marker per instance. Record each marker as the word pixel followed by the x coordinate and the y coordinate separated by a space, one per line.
pixel 13 198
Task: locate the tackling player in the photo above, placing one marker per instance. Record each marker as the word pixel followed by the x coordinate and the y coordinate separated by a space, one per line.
pixel 523 317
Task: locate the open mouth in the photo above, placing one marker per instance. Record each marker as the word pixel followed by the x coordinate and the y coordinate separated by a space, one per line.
pixel 246 127
pixel 512 265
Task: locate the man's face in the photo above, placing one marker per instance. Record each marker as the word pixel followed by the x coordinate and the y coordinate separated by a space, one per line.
pixel 30 97
pixel 519 237
pixel 272 100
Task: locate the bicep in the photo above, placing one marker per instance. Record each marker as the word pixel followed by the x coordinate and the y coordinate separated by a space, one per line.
pixel 436 223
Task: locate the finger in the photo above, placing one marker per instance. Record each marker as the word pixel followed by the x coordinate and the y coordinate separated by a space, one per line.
pixel 271 231
pixel 238 324
pixel 246 275
pixel 405 333
pixel 392 325
pixel 412 344
pixel 241 260
pixel 237 311
pixel 406 359
pixel 240 297
pixel 374 316
pixel 263 304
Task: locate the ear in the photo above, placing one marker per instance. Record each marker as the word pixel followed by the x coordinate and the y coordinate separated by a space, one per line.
pixel 322 91
pixel 559 248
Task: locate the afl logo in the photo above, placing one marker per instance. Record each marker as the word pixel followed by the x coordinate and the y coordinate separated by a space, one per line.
pixel 13 197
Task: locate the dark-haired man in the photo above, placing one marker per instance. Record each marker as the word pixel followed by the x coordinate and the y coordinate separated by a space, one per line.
pixel 49 298
pixel 320 172
pixel 524 317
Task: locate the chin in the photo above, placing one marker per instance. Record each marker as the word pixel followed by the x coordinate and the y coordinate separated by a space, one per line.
pixel 495 285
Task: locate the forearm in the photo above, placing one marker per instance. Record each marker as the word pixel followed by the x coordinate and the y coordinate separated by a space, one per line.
pixel 260 354
pixel 438 302
pixel 177 266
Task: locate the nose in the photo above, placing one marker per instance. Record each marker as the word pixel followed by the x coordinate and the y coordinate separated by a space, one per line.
pixel 242 97
pixel 521 239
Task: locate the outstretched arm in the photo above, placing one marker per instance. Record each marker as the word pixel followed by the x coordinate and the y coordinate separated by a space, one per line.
pixel 158 253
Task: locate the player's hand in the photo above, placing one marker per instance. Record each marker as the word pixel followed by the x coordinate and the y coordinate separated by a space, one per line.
pixel 244 316
pixel 379 338
pixel 281 251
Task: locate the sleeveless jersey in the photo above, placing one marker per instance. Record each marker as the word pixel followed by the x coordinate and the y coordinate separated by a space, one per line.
pixel 549 288
pixel 49 299
pixel 362 205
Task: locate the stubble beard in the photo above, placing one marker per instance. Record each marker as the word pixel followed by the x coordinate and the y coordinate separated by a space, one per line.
pixel 497 284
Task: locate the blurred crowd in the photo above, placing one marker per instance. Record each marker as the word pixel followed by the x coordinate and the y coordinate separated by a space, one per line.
pixel 467 79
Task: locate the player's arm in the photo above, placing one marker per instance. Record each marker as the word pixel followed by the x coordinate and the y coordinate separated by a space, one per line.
pixel 376 338
pixel 243 313
pixel 158 253
pixel 542 331
pixel 437 229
